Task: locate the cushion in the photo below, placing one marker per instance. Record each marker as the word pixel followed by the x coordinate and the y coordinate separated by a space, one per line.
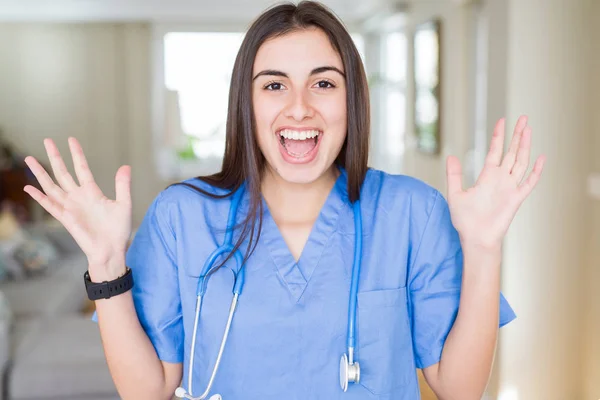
pixel 73 264
pixel 61 290
pixel 35 254
pixel 9 225
pixel 4 265
pixel 56 233
pixel 12 268
pixel 44 296
pixel 12 236
pixel 6 321
pixel 63 359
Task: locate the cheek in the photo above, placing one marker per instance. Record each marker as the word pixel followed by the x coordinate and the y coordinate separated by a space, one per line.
pixel 335 115
pixel 264 116
pixel 265 111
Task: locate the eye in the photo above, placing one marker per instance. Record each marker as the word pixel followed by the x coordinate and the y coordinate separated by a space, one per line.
pixel 274 86
pixel 324 84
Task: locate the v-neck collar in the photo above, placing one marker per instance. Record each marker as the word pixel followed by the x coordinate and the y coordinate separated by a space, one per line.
pixel 297 275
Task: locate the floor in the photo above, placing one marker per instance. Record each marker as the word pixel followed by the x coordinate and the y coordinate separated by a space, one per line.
pixel 426 392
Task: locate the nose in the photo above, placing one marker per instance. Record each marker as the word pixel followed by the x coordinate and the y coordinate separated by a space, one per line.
pixel 299 107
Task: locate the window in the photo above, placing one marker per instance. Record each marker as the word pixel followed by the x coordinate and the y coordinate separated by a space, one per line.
pixel 198 67
pixel 197 73
pixel 394 70
pixel 359 42
pixel 388 94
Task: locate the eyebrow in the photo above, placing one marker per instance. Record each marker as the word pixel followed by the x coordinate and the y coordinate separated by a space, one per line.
pixel 318 70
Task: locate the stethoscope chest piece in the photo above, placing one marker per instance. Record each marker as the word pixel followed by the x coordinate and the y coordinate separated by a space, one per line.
pixel 348 372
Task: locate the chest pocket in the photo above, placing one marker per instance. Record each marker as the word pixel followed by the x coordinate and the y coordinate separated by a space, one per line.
pixel 384 348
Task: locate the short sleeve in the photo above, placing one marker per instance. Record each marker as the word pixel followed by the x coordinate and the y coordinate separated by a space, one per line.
pixel 152 259
pixel 435 277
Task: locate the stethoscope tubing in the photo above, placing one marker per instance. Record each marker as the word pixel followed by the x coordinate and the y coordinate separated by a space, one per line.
pixel 239 278
pixel 207 270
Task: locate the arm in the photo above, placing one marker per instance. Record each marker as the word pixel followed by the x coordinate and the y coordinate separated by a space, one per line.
pixel 132 360
pixel 482 215
pixel 101 227
pixel 468 353
pixel 142 330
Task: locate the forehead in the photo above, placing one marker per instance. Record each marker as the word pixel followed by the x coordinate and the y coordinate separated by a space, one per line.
pixel 297 52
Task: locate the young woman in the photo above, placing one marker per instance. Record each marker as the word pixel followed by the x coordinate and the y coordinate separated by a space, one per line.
pixel 353 277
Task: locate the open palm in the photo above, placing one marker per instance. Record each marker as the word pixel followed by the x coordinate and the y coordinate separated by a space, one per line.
pixel 483 213
pixel 99 225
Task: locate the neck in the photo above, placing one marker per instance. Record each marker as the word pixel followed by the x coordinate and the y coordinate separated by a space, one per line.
pixel 297 202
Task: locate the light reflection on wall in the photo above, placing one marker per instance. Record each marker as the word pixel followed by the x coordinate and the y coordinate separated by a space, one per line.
pixel 510 393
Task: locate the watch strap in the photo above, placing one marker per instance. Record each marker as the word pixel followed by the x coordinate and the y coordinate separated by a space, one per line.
pixel 108 289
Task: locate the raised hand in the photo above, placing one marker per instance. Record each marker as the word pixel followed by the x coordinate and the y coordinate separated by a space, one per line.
pixel 482 214
pixel 99 225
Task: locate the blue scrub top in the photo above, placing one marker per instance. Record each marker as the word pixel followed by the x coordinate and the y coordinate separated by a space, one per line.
pixel 289 330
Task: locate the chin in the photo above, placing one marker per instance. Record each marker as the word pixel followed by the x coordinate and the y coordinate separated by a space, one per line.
pixel 300 173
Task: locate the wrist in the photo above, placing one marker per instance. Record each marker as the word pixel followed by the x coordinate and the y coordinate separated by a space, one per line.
pixel 478 245
pixel 108 271
pixel 476 253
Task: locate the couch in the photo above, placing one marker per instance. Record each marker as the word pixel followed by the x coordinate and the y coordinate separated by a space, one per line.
pixel 49 347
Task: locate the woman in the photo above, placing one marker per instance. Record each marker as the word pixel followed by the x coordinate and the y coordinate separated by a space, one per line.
pixel 296 155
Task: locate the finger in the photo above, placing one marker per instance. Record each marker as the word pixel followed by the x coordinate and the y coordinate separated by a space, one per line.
pixel 82 170
pixel 45 180
pixel 454 175
pixel 123 184
pixel 494 156
pixel 52 207
pixel 62 175
pixel 511 155
pixel 533 178
pixel 523 155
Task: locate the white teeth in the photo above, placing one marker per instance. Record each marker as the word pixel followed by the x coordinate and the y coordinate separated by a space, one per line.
pixel 296 135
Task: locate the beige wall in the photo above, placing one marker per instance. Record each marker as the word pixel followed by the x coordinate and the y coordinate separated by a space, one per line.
pixel 591 305
pixel 494 19
pixel 540 63
pixel 458 58
pixel 545 251
pixel 91 81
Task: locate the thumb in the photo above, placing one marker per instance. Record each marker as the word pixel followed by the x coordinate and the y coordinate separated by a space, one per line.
pixel 123 184
pixel 454 175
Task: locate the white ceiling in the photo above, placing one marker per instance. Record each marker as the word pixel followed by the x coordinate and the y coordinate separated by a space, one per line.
pixel 165 10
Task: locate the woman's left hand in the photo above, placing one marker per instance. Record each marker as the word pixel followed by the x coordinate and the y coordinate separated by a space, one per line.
pixel 483 213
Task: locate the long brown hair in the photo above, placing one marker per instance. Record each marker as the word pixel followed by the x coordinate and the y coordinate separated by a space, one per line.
pixel 243 160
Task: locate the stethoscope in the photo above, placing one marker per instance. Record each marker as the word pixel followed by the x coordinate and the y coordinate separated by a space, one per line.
pixel 349 367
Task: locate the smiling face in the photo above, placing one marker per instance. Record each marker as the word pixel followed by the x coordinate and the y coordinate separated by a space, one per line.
pixel 299 100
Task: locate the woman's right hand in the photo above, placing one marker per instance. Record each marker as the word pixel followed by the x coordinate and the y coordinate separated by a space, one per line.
pixel 100 226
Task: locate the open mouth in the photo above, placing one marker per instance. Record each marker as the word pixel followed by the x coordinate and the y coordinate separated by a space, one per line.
pixel 299 144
